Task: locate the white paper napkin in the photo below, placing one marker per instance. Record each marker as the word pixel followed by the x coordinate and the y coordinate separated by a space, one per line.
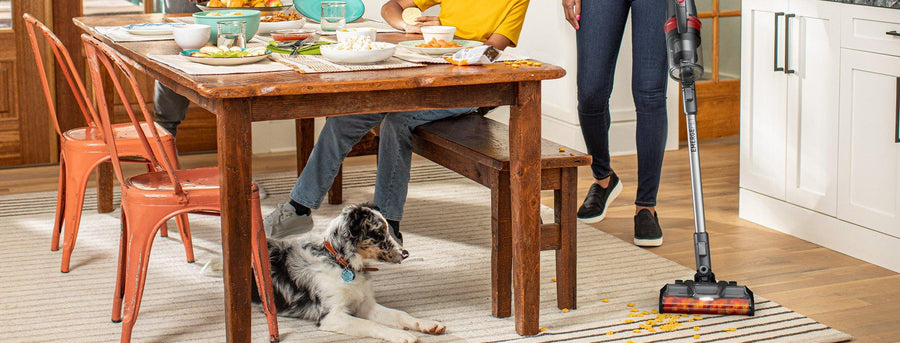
pixel 118 34
pixel 413 56
pixel 181 63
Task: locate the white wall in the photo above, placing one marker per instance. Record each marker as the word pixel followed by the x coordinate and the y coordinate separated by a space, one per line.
pixel 546 36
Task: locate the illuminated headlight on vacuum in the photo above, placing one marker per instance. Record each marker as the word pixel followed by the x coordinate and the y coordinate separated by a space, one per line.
pixel 706 298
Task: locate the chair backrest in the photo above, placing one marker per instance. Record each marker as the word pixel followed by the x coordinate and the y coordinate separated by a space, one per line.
pixel 100 56
pixel 64 60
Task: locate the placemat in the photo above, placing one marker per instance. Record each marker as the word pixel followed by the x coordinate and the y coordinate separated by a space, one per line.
pixel 412 56
pixel 318 64
pixel 118 34
pixel 180 63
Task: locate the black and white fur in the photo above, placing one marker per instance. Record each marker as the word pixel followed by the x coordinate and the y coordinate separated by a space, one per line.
pixel 307 282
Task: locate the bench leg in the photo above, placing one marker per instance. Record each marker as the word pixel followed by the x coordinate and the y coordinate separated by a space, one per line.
pixel 565 209
pixel 336 193
pixel 501 246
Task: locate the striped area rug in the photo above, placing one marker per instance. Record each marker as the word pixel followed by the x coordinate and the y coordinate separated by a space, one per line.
pixel 447 231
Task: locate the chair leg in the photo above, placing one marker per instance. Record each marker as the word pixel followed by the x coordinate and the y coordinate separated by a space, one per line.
pixel 141 229
pixel 164 228
pixel 263 276
pixel 501 246
pixel 77 173
pixel 60 205
pixel 184 228
pixel 120 270
pixel 336 193
pixel 565 209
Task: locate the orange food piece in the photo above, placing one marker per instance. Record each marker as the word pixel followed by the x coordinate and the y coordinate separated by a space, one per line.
pixel 438 43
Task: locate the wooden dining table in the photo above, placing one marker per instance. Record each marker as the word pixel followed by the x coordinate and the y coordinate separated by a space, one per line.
pixel 238 100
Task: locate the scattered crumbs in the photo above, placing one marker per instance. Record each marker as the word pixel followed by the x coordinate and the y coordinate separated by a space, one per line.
pixel 605 300
pixel 636 330
pixel 654 311
pixel 562 149
pixel 696 328
pixel 645 313
pixel 553 279
pixel 696 336
pixel 630 304
pixel 635 310
pixel 628 321
pixel 565 310
pixel 610 333
pixel 514 65
pixel 730 330
pixel 571 154
pixel 543 329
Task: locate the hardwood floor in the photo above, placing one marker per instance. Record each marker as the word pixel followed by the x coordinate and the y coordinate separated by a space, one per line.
pixel 840 291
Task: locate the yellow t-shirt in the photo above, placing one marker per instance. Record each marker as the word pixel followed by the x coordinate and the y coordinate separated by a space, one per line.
pixel 478 19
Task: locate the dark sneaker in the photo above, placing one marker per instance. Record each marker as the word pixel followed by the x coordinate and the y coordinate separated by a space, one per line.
pixel 647 232
pixel 395 230
pixel 593 209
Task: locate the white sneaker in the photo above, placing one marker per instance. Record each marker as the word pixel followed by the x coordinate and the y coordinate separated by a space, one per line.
pixel 284 221
pixel 262 191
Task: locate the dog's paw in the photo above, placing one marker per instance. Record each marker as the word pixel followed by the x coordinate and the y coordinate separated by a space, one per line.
pixel 398 336
pixel 431 327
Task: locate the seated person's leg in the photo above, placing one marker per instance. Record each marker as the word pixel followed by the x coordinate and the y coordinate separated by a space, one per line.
pixel 395 158
pixel 169 107
pixel 336 140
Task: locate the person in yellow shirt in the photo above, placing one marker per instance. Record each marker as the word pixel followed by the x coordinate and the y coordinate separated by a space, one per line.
pixel 494 22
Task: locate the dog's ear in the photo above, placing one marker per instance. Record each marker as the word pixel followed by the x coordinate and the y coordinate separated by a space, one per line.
pixel 370 205
pixel 357 221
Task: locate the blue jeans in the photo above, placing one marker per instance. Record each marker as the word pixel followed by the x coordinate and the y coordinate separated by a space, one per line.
pixel 169 107
pixel 598 41
pixel 341 133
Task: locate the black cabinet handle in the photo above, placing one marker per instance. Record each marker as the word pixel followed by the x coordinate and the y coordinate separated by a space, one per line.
pixel 893 33
pixel 787 43
pixel 775 57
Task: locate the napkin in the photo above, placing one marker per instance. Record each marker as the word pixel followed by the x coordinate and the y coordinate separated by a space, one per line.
pixel 118 34
pixel 182 63
pixel 413 56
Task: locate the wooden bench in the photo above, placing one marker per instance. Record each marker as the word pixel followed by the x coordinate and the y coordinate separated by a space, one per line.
pixel 478 148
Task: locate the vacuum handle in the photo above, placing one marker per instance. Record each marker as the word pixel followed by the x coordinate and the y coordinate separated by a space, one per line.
pixel 787 43
pixel 775 54
pixel 897 117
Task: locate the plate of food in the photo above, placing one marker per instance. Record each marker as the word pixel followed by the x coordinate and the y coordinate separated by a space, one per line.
pixel 359 49
pixel 438 47
pixel 225 57
pixel 151 29
pixel 280 21
pixel 259 5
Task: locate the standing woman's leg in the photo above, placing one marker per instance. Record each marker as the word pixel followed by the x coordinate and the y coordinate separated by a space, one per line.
pixel 649 77
pixel 598 39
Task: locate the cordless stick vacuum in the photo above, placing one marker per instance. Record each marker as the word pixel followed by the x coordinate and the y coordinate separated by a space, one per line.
pixel 703 294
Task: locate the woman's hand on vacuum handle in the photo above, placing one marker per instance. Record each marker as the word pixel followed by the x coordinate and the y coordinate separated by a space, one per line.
pixel 572 9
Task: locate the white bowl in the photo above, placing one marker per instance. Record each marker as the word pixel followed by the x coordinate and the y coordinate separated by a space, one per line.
pixel 343 34
pixel 357 56
pixel 268 27
pixel 438 32
pixel 191 36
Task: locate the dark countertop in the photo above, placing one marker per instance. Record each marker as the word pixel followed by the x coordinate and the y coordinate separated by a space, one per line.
pixel 876 3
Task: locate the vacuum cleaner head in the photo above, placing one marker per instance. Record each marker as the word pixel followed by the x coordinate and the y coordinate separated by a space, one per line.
pixel 706 298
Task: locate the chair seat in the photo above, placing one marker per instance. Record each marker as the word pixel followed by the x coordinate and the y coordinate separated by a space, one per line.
pixel 125 134
pixel 198 183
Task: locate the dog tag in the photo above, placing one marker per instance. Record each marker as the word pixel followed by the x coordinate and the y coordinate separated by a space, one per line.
pixel 347 275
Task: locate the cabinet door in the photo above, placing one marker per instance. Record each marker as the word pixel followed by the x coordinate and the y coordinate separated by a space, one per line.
pixel 811 67
pixel 869 155
pixel 763 92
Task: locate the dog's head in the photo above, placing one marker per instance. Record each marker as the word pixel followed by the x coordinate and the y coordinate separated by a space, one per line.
pixel 366 232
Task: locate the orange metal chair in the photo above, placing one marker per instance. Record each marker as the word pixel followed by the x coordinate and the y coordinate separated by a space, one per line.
pixel 83 149
pixel 149 199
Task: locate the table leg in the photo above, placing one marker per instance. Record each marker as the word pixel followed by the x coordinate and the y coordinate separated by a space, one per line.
pixel 525 194
pixel 234 156
pixel 305 132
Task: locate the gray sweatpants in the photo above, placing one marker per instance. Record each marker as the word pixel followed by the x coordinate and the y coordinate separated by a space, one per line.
pixel 170 108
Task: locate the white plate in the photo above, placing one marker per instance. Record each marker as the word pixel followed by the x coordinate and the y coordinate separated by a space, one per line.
pixel 226 61
pixel 150 29
pixel 411 45
pixel 267 27
pixel 363 56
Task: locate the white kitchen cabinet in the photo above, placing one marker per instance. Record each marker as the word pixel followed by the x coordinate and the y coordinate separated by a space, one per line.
pixel 790 65
pixel 869 156
pixel 762 51
pixel 820 124
pixel 812 70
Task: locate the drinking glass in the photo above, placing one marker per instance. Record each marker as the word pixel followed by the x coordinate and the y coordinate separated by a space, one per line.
pixel 334 15
pixel 231 34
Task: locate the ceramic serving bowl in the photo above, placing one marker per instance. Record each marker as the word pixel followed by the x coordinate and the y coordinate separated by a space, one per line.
pixel 212 18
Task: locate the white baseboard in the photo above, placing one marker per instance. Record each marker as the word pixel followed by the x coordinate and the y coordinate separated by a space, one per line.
pixel 830 232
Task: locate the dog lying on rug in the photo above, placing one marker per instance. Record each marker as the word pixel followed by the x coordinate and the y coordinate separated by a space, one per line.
pixel 325 279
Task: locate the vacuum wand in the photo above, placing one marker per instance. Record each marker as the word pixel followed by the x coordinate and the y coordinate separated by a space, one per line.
pixel 703 294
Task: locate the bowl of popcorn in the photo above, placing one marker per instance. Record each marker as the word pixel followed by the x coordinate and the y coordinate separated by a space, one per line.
pixel 359 49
